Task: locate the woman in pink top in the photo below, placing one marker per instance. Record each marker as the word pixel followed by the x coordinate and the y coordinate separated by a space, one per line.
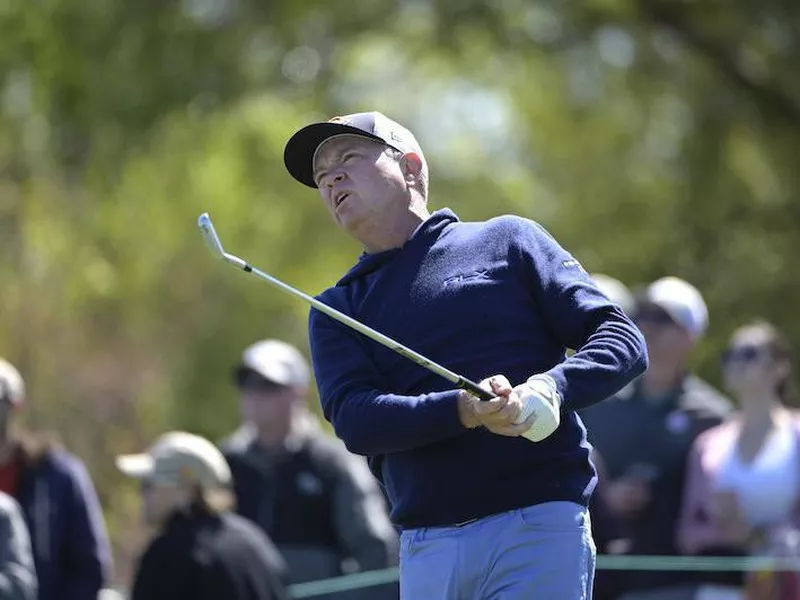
pixel 743 477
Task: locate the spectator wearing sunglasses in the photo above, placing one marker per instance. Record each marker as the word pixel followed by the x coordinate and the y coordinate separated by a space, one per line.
pixel 743 480
pixel 319 503
pixel 607 529
pixel 645 433
pixel 201 550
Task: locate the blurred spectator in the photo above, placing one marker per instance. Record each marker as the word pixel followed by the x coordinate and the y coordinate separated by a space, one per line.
pixel 608 532
pixel 616 291
pixel 607 529
pixel 319 503
pixel 17 573
pixel 202 550
pixel 68 536
pixel 644 434
pixel 742 491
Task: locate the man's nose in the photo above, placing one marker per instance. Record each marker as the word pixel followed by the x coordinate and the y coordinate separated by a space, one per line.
pixel 336 178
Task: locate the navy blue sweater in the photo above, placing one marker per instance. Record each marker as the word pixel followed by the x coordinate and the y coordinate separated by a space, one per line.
pixel 496 297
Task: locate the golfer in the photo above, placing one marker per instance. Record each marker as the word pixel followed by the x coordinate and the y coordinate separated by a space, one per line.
pixel 490 496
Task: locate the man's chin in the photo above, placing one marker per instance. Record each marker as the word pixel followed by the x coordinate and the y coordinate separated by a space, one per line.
pixel 350 222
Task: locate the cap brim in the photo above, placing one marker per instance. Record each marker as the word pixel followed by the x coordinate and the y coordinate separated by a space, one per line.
pixel 138 466
pixel 298 155
pixel 273 376
pixel 665 306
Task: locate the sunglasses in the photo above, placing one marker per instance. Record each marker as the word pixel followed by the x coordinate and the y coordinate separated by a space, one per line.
pixel 655 316
pixel 743 354
pixel 246 379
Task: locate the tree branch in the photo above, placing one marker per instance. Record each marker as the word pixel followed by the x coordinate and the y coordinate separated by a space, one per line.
pixel 769 99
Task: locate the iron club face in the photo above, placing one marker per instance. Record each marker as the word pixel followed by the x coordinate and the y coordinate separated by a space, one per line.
pixel 210 234
pixel 212 240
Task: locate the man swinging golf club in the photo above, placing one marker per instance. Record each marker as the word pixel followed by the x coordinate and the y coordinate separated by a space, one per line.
pixel 490 495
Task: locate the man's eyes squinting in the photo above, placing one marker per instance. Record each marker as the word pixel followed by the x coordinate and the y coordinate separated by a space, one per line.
pixel 346 157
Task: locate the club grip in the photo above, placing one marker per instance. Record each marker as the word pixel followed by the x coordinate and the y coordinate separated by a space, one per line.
pixel 474 389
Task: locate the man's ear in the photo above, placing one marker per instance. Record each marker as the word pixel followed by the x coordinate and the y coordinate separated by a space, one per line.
pixel 411 165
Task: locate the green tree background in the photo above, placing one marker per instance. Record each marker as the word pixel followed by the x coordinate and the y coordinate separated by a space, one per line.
pixel 651 137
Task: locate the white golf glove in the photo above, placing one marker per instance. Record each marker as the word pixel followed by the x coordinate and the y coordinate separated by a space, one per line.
pixel 539 395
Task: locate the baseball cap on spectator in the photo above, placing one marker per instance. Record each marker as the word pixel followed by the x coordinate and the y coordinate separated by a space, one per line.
pixel 616 291
pixel 681 301
pixel 298 155
pixel 12 386
pixel 178 458
pixel 275 361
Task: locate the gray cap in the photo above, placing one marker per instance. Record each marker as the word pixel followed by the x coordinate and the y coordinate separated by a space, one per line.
pixel 278 362
pixel 682 301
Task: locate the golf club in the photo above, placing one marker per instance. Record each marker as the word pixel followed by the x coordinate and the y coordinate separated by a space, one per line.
pixel 212 239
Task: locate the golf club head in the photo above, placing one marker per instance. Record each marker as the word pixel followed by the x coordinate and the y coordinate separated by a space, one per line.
pixel 210 235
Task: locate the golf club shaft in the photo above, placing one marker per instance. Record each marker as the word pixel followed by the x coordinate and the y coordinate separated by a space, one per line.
pixel 460 382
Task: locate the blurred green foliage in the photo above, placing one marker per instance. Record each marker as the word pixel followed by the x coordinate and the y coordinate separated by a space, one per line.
pixel 652 137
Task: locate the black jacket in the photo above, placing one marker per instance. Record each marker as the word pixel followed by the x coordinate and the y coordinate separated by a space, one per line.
pixel 318 503
pixel 203 557
pixel 652 439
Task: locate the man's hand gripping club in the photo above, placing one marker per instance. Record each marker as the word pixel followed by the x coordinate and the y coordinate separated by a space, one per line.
pixel 531 410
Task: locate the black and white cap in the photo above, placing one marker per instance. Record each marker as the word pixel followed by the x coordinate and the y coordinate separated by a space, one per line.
pixel 681 301
pixel 278 362
pixel 298 156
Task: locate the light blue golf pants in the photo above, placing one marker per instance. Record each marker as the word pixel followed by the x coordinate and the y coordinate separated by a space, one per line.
pixel 542 552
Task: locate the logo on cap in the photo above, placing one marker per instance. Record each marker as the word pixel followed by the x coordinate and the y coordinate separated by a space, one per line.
pixel 341 120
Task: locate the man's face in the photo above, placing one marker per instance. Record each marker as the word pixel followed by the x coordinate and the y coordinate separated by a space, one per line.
pixel 266 404
pixel 160 501
pixel 667 342
pixel 361 185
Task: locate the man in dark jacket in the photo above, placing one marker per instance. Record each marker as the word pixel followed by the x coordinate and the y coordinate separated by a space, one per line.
pixel 645 432
pixel 17 573
pixel 202 550
pixel 320 504
pixel 70 544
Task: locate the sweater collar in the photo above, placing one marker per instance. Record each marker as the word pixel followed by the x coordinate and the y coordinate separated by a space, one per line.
pixel 427 231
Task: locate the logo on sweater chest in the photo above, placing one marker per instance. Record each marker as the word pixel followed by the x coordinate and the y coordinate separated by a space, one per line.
pixel 455 280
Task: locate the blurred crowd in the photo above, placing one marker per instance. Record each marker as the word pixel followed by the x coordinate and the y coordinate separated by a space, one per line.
pixel 277 502
pixel 684 470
